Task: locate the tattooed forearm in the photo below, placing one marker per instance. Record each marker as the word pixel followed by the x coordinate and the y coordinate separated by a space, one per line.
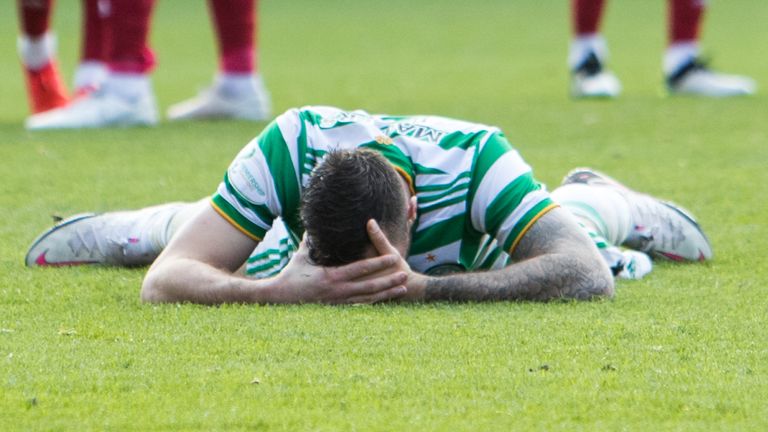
pixel 542 278
pixel 555 259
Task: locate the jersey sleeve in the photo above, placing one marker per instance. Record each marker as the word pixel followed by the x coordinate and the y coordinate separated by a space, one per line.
pixel 261 183
pixel 506 200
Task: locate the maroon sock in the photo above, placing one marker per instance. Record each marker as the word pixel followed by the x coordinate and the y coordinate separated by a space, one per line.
pixel 684 20
pixel 586 16
pixel 95 38
pixel 235 25
pixel 35 16
pixel 128 24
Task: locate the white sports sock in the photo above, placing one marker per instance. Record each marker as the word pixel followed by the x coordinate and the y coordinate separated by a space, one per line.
pixel 90 75
pixel 605 215
pixel 146 232
pixel 582 45
pixel 38 52
pixel 180 216
pixel 128 86
pixel 598 208
pixel 678 54
pixel 635 264
pixel 233 85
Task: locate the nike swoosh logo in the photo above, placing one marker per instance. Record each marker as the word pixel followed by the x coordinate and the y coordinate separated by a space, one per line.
pixel 702 257
pixel 671 256
pixel 42 261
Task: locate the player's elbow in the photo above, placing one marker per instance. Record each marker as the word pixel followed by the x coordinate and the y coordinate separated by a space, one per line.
pixel 591 279
pixel 153 288
pixel 604 285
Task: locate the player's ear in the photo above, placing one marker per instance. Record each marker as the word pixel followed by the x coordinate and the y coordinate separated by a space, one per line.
pixel 412 206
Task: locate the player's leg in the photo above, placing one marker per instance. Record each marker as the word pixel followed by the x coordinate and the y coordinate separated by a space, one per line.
pixel 92 70
pixel 238 90
pixel 125 97
pixel 136 237
pixel 37 49
pixel 638 221
pixel 684 71
pixel 588 53
pixel 124 238
pixel 605 216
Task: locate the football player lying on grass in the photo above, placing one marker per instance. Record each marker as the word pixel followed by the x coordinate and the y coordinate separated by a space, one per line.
pixel 345 207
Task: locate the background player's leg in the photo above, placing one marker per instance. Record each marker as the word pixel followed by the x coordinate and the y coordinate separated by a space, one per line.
pixel 684 22
pixel 95 44
pixel 35 16
pixel 588 53
pixel 238 90
pixel 235 26
pixel 37 49
pixel 685 73
pixel 586 16
pixel 125 97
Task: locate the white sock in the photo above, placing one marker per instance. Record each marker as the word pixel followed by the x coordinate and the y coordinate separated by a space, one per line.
pixel 146 232
pixel 234 85
pixel 37 52
pixel 597 208
pixel 635 264
pixel 180 216
pixel 583 45
pixel 128 86
pixel 678 54
pixel 90 75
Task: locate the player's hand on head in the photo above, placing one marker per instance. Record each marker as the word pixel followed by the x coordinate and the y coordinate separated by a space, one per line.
pixel 369 280
pixel 416 283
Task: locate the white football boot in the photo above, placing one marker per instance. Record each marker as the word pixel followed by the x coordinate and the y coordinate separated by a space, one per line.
pixel 253 103
pixel 99 109
pixel 696 79
pixel 89 77
pixel 125 238
pixel 660 229
pixel 78 240
pixel 591 80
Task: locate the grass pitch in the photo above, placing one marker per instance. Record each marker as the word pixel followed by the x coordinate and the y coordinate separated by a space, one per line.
pixel 684 349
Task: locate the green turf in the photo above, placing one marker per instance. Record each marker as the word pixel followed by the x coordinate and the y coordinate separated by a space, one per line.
pixel 684 349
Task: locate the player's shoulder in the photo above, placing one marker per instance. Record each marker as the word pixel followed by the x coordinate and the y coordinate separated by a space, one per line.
pixel 325 116
pixel 450 124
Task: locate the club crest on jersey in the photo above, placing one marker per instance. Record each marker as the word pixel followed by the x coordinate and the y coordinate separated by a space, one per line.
pixel 383 139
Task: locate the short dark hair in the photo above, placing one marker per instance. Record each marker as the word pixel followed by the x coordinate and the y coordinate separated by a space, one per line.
pixel 346 189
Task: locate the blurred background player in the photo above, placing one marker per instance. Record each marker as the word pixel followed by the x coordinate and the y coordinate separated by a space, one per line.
pixel 238 89
pixel 684 71
pixel 125 96
pixel 37 50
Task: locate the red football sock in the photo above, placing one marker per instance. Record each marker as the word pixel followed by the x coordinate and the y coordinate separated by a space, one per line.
pixel 235 25
pixel 586 16
pixel 129 26
pixel 35 16
pixel 684 20
pixel 95 38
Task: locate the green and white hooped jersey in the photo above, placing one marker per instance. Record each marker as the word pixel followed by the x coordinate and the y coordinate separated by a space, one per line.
pixel 476 196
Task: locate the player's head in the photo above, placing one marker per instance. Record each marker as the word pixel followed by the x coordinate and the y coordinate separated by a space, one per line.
pixel 348 188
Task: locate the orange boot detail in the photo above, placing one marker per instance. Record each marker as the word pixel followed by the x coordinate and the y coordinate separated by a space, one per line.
pixel 45 88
